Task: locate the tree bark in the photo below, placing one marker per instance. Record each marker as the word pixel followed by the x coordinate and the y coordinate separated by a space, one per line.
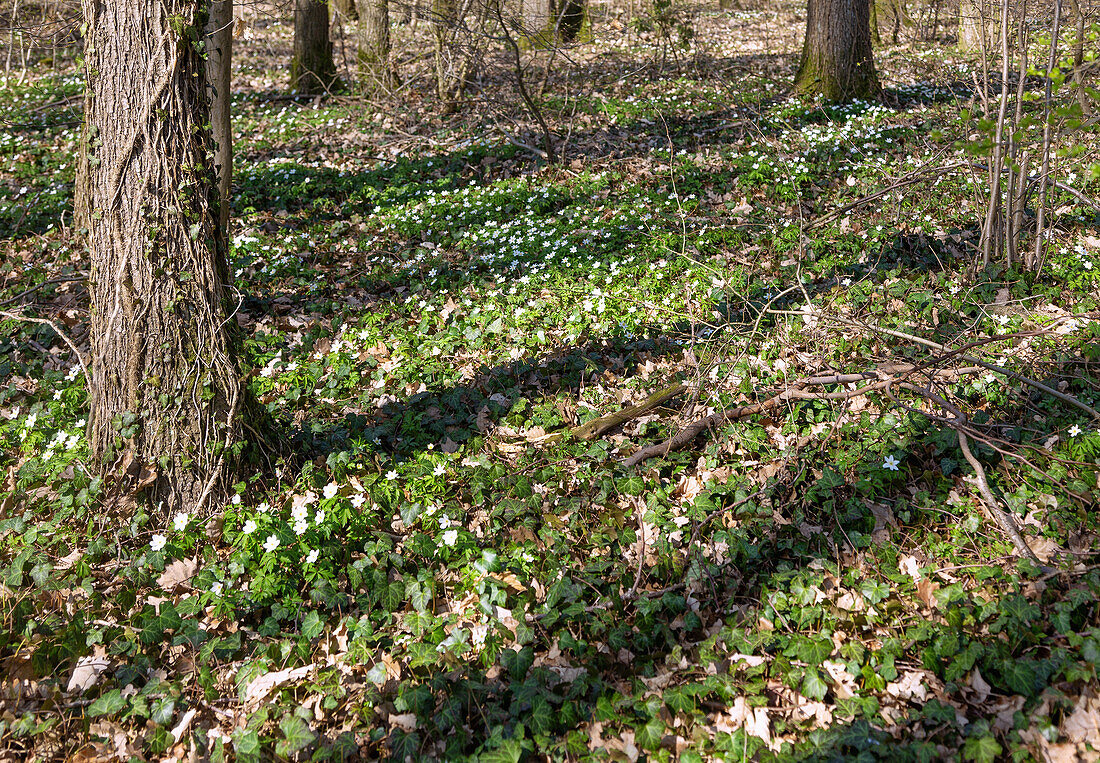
pixel 346 8
pixel 550 22
pixel 837 63
pixel 165 387
pixel 977 25
pixel 219 58
pixel 312 70
pixel 374 43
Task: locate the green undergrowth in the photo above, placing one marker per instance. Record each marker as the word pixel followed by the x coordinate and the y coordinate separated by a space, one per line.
pixel 435 575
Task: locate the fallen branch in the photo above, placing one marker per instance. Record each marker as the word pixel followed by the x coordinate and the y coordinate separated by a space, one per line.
pixel 796 391
pixel 993 506
pixel 590 430
pixel 913 177
pixel 960 424
pixel 1070 399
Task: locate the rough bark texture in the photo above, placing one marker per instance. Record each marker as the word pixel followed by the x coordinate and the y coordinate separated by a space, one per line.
pixel 311 68
pixel 977 25
pixel 550 22
pixel 346 9
pixel 837 63
pixel 219 52
pixel 165 384
pixel 374 43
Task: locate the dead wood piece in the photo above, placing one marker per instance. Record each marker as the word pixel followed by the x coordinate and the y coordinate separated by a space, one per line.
pixel 993 506
pixel 796 391
pixel 590 430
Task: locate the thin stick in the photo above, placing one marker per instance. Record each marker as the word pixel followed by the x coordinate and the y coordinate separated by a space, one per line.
pixel 795 392
pixel 36 287
pixel 977 361
pixel 993 505
pixel 60 333
pixel 906 180
pixel 1044 171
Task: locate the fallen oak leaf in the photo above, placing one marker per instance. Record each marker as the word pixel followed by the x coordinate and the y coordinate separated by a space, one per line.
pixel 178 574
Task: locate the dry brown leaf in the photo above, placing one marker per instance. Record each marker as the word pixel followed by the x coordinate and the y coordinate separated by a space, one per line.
pixel 884 522
pixel 261 686
pixel 185 723
pixel 87 672
pixel 484 423
pixel 910 685
pixel 1083 724
pixel 404 721
pixel 844 683
pixel 979 685
pixel 926 590
pixel 69 560
pixel 1045 548
pixel 178 574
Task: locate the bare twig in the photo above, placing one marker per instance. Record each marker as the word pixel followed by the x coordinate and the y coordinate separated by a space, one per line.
pixel 36 287
pixel 65 337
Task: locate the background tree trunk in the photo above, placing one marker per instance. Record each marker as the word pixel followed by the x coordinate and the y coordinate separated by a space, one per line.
pixel 374 43
pixel 165 384
pixel 546 23
pixel 311 68
pixel 837 62
pixel 219 51
pixel 450 61
pixel 347 9
pixel 977 25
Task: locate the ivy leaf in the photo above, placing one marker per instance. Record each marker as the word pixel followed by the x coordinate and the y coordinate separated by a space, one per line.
pixel 509 751
pixel 650 735
pixel 813 685
pixel 981 749
pixel 541 716
pixel 296 735
pixel 246 743
pixel 813 651
pixel 632 485
pixel 312 625
pixel 874 591
pixel 107 704
pixel 1020 676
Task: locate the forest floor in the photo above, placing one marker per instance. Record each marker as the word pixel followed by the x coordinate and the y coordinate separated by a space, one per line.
pixel 449 570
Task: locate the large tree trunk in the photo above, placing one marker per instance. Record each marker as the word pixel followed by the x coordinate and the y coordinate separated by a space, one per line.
pixel 837 62
pixel 311 69
pixel 219 52
pixel 374 43
pixel 165 385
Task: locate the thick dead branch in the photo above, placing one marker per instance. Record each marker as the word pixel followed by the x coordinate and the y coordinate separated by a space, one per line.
pixel 590 430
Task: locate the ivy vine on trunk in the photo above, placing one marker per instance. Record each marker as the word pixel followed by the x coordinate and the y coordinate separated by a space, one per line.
pixel 166 387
